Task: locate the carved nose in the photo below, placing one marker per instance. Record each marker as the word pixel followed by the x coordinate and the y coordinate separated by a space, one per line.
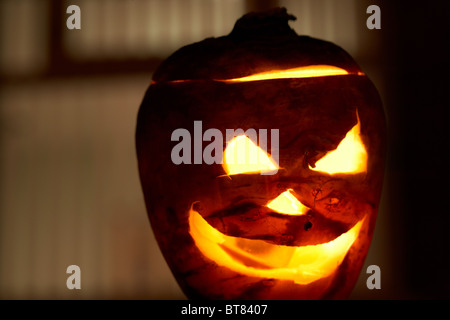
pixel 287 203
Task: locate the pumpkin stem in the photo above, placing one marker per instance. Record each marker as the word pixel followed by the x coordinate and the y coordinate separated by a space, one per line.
pixel 274 22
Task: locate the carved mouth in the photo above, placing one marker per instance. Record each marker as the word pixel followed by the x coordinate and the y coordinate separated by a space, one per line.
pixel 258 258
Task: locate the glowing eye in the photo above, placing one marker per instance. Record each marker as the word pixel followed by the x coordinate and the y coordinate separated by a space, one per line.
pixel 287 203
pixel 349 157
pixel 242 155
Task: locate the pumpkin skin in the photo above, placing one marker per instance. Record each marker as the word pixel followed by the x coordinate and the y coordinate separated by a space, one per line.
pixel 313 116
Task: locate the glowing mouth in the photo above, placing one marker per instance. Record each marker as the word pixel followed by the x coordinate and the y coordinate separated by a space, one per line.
pixel 257 258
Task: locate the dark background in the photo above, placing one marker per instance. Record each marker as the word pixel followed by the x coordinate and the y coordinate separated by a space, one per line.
pixel 69 188
pixel 416 42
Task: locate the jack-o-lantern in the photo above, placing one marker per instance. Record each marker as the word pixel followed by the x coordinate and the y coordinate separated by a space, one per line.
pixel 226 229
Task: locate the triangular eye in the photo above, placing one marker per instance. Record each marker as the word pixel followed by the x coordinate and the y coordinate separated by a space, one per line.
pixel 242 155
pixel 349 157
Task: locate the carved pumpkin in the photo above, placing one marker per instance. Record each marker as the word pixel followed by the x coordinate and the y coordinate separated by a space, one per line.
pixel 226 230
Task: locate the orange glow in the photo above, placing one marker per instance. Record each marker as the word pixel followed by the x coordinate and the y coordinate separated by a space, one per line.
pixel 287 203
pixel 349 157
pixel 300 72
pixel 313 71
pixel 257 258
pixel 242 155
